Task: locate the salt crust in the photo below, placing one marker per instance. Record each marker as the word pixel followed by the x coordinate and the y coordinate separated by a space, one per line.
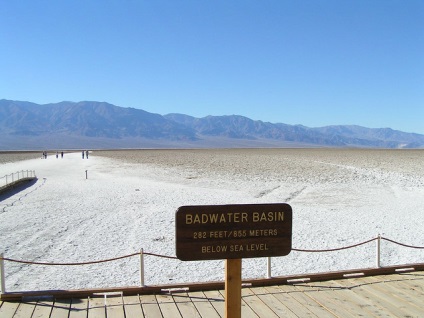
pixel 129 198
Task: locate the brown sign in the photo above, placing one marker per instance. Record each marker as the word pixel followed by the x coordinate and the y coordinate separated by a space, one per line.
pixel 233 231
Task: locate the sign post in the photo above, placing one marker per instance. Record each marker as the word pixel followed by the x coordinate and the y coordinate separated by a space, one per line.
pixel 233 288
pixel 233 232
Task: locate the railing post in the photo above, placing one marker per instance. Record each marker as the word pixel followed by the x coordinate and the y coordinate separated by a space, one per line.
pixel 141 268
pixel 268 274
pixel 2 275
pixel 378 251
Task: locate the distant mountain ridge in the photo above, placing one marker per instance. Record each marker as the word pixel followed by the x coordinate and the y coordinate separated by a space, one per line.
pixel 340 136
pixel 100 125
pixel 91 119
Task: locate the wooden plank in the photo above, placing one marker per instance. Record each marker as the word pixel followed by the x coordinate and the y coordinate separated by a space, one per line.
pixel 25 310
pixel 61 308
pixel 415 294
pixel 246 311
pixel 167 306
pixel 381 298
pixel 410 297
pixel 385 288
pixel 401 277
pixel 96 307
pixel 257 305
pixel 272 302
pixel 308 302
pixel 78 308
pixel 8 309
pixel 415 281
pixel 413 287
pixel 389 291
pixel 344 302
pixel 203 305
pixel 325 306
pixel 327 298
pixel 185 305
pixel 43 309
pixel 217 301
pixel 150 306
pixel 132 306
pixel 406 287
pixel 115 307
pixel 292 304
pixel 330 299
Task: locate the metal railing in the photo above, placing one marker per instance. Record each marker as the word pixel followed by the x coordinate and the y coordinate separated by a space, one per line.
pixel 16 176
pixel 142 254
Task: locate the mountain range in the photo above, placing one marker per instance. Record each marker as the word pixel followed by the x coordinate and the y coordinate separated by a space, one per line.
pixel 100 125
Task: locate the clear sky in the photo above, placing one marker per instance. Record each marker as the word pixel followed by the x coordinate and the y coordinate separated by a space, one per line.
pixel 316 63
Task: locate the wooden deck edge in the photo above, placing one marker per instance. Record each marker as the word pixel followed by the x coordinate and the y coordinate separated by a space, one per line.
pixel 215 285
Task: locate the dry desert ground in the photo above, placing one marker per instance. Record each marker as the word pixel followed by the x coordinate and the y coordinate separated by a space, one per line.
pixel 117 202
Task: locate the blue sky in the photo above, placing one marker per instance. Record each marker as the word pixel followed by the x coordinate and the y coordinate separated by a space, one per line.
pixel 314 63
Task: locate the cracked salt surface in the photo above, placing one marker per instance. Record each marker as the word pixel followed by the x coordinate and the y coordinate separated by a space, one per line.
pixel 128 202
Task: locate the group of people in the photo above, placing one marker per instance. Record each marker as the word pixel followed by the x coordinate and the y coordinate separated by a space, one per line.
pixel 44 154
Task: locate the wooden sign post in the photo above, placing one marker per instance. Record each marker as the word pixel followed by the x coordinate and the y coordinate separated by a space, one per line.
pixel 233 288
pixel 233 232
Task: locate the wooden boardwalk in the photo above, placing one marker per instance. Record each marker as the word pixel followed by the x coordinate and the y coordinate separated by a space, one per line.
pixel 396 295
